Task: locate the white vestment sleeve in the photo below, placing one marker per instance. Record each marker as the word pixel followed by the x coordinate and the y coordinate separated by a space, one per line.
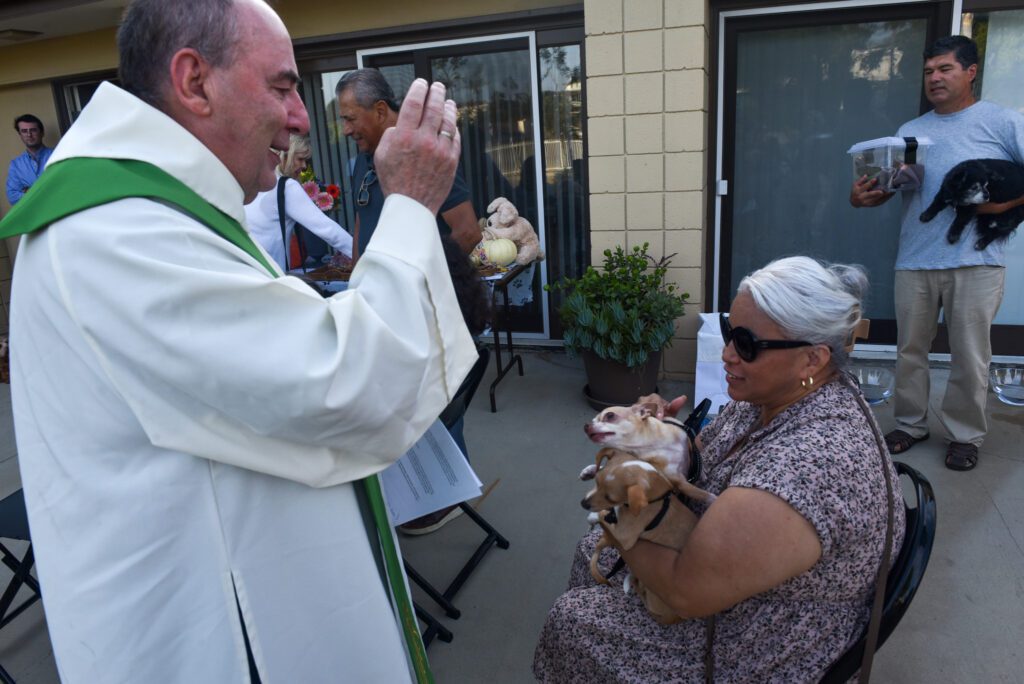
pixel 220 360
pixel 301 209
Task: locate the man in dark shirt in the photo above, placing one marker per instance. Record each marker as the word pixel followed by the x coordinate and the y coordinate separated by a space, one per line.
pixel 367 106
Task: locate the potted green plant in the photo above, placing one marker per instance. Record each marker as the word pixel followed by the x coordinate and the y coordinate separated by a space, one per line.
pixel 619 319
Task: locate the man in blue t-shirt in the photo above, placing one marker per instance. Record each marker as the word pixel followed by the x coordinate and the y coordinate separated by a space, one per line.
pixel 367 107
pixel 931 274
pixel 27 166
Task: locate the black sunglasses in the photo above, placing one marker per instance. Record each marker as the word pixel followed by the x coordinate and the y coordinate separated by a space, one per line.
pixel 363 196
pixel 746 343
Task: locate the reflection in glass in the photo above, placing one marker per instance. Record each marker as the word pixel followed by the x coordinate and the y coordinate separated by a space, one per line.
pixel 332 151
pixel 802 99
pixel 495 120
pixel 494 93
pixel 565 202
pixel 1000 38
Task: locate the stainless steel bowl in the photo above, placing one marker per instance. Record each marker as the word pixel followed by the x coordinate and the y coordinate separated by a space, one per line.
pixel 876 382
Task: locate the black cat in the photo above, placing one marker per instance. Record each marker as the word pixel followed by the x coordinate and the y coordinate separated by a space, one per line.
pixel 975 182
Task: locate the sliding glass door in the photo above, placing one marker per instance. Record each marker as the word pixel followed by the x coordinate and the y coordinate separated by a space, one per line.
pixel 798 90
pixel 492 80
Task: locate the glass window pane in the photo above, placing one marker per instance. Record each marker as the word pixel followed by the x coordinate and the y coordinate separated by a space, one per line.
pixel 495 98
pixel 802 98
pixel 565 202
pixel 1000 38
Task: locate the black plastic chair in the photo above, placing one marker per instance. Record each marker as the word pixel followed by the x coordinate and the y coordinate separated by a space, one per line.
pixel 904 578
pixel 449 416
pixel 14 525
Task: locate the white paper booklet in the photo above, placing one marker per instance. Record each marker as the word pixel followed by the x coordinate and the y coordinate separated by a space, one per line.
pixel 431 475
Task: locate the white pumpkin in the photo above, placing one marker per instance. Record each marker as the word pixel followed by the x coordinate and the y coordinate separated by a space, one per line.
pixel 500 252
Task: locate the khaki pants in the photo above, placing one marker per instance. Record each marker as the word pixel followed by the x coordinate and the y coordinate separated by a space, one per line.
pixel 969 297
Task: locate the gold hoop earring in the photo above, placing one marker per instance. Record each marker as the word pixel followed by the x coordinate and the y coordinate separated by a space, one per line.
pixel 808 383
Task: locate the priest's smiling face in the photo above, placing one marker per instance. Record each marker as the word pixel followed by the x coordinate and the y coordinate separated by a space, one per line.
pixel 254 101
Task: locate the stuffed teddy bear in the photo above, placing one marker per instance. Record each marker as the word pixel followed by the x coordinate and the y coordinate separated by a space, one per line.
pixel 505 222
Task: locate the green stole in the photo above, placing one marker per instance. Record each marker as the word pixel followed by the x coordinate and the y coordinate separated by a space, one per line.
pixel 70 186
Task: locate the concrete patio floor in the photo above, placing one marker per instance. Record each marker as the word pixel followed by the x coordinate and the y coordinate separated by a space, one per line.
pixel 965 625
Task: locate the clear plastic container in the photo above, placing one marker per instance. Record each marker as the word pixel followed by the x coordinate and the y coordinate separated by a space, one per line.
pixel 897 163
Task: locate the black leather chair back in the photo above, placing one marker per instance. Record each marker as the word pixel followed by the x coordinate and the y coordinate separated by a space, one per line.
pixel 904 578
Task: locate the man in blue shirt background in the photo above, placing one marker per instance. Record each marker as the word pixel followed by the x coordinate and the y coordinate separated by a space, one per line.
pixel 932 274
pixel 26 167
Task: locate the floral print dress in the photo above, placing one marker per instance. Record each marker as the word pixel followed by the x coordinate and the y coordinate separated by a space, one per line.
pixel 820 456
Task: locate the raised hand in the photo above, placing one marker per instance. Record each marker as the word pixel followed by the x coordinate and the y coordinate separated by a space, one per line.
pixel 417 157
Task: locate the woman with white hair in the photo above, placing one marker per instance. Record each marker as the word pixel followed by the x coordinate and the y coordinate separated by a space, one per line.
pixel 264 217
pixel 783 563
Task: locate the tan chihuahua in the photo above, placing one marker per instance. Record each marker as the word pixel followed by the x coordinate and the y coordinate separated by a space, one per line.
pixel 633 500
pixel 661 443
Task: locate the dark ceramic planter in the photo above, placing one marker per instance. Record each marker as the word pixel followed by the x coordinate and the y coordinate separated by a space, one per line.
pixel 610 383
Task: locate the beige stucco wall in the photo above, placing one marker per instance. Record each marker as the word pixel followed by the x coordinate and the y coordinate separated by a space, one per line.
pixel 647 117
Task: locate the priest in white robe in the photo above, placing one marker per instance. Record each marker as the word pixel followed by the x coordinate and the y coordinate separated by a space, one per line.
pixel 189 424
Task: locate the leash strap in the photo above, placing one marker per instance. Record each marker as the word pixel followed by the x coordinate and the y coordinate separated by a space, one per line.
pixel 619 564
pixel 281 220
pixel 881 579
pixel 709 654
pixel 300 234
pixel 691 426
pixel 666 501
pixel 73 185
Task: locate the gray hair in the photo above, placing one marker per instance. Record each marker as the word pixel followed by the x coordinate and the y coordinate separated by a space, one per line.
pixel 811 300
pixel 152 31
pixel 369 87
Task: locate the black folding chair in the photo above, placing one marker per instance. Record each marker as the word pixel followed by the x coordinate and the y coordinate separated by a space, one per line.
pixel 14 525
pixel 449 416
pixel 904 577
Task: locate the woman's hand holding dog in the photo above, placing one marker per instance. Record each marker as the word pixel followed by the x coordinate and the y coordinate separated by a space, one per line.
pixel 661 408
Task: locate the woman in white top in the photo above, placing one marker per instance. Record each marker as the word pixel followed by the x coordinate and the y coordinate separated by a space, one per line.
pixel 262 216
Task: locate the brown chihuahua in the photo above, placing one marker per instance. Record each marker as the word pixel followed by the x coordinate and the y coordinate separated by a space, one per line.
pixel 633 500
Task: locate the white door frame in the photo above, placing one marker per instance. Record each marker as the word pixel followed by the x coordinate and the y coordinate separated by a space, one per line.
pixel 537 142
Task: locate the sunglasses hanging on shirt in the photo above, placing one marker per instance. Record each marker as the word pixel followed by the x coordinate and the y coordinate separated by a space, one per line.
pixel 363 196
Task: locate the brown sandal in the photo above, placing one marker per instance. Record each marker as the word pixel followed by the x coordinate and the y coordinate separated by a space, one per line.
pixel 960 456
pixel 899 441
